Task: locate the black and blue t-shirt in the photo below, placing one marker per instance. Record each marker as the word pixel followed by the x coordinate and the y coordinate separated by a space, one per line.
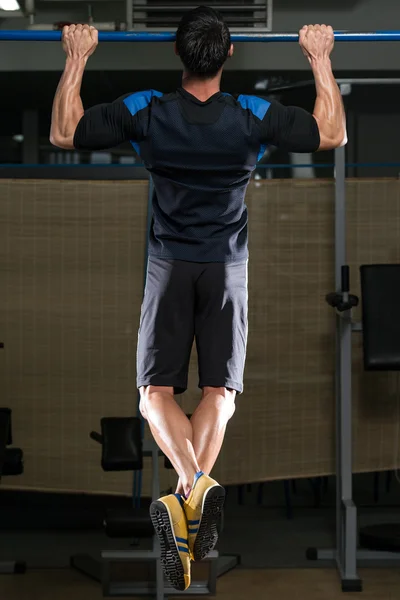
pixel 200 156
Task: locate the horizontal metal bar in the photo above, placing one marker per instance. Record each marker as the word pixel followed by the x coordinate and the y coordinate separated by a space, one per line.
pixel 339 81
pixel 145 36
pixel 161 8
pixel 129 555
pixel 326 554
pixel 171 20
pixel 376 555
pixel 6 14
pixel 370 81
pixel 141 166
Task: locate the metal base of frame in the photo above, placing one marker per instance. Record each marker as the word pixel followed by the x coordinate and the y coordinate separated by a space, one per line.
pixel 368 558
pixel 100 570
pixel 12 567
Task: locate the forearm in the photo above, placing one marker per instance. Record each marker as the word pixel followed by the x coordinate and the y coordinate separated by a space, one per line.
pixel 329 110
pixel 67 106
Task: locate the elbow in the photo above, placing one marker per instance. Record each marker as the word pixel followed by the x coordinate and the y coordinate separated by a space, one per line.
pixel 54 140
pixel 332 142
pixel 344 140
pixel 340 140
pixel 61 142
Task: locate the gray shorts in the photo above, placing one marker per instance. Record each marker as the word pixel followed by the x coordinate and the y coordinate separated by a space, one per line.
pixel 187 301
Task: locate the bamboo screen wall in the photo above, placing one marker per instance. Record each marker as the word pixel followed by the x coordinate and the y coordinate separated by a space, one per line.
pixel 71 278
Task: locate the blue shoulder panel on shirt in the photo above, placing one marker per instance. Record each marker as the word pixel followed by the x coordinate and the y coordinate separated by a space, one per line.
pixel 140 100
pixel 258 106
pixel 261 152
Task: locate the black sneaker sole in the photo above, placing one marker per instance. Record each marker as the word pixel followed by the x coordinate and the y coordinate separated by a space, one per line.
pixel 207 536
pixel 170 559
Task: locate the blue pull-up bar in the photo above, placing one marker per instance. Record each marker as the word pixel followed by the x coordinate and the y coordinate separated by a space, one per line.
pixel 32 35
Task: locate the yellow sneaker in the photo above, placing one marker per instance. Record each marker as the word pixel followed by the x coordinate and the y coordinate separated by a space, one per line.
pixel 169 521
pixel 203 508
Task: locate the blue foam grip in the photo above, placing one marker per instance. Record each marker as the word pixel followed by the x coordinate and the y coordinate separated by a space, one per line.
pixel 144 36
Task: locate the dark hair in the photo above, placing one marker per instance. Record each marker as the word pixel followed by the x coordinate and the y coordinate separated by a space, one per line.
pixel 203 41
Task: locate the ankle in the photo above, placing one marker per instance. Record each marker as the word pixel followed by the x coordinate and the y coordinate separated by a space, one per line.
pixel 186 489
pixel 187 485
pixel 179 489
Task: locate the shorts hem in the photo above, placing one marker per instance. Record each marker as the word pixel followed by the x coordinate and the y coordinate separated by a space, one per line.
pixel 179 387
pixel 227 383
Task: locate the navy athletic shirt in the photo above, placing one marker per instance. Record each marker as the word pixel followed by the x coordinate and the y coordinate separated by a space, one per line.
pixel 200 156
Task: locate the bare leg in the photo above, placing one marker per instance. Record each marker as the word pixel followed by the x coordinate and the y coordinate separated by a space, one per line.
pixel 209 422
pixel 171 430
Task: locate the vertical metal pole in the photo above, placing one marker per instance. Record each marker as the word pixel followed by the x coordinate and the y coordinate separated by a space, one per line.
pixel 346 512
pixel 340 214
pixel 159 578
pixel 129 14
pixel 340 257
pixel 270 14
pixel 138 12
pixel 352 145
pixel 261 14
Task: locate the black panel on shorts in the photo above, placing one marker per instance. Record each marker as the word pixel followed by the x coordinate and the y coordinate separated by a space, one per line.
pixel 184 301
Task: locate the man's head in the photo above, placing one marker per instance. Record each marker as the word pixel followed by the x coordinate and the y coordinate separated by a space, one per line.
pixel 203 42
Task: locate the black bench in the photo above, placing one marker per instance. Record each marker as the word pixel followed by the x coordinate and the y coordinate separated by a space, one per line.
pixel 380 292
pixel 11 463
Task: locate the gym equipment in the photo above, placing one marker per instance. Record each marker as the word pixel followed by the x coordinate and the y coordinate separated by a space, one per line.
pixel 380 291
pixel 380 288
pixel 345 553
pixel 31 35
pixel 121 444
pixel 122 447
pixel 11 463
pixel 381 327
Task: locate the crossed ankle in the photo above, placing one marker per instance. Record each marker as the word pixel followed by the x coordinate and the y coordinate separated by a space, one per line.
pixel 187 487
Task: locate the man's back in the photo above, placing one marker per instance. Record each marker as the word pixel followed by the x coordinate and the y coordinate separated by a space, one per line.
pixel 201 156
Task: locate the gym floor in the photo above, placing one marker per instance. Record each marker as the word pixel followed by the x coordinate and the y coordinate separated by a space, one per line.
pixel 313 584
pixel 272 549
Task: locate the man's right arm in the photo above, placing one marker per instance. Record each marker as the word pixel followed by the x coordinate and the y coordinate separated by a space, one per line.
pixel 317 42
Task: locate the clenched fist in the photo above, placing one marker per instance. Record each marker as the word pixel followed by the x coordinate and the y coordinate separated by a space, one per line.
pixel 79 41
pixel 316 41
